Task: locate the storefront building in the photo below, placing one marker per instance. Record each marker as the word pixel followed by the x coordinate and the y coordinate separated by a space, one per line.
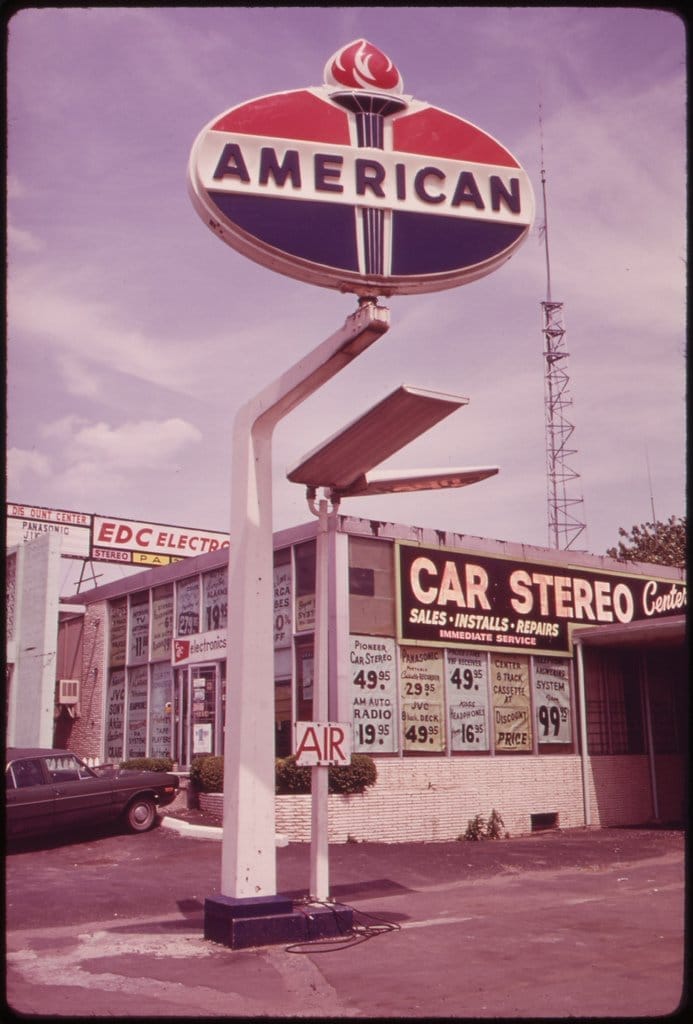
pixel 547 685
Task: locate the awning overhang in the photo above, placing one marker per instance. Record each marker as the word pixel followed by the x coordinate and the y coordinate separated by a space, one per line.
pixel 665 632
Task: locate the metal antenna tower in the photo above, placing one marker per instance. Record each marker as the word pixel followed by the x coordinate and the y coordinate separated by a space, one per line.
pixel 564 524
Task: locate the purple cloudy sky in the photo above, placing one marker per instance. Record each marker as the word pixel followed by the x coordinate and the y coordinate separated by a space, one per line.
pixel 135 334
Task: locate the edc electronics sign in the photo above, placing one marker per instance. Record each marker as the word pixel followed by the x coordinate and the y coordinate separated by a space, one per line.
pixel 107 539
pixel 355 186
pixel 454 598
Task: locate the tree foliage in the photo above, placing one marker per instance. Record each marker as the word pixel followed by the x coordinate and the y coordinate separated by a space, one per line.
pixel 659 543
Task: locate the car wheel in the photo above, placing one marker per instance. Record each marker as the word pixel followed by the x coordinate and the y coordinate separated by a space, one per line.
pixel 141 814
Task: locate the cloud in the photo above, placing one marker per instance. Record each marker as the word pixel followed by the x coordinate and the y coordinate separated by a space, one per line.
pixel 141 445
pixel 23 465
pixel 81 459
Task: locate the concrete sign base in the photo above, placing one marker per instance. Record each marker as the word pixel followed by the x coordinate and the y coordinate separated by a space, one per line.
pixel 269 920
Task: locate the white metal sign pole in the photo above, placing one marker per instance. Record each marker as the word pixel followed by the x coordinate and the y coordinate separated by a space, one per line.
pixel 248 844
pixel 319 849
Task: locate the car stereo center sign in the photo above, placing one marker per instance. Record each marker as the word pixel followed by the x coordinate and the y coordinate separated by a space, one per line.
pixel 355 186
pixel 451 598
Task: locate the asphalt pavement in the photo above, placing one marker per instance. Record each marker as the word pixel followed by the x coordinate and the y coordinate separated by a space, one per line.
pixel 586 923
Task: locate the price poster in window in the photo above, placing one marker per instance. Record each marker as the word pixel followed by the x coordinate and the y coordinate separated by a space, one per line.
pixel 115 715
pixel 373 694
pixel 139 633
pixel 215 600
pixel 188 607
pixel 202 738
pixel 305 613
pixel 282 606
pixel 552 700
pixel 162 623
pixel 118 628
pixel 467 688
pixel 422 690
pixel 510 693
pixel 137 712
pixel 160 711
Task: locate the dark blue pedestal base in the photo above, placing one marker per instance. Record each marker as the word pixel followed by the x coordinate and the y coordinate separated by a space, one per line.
pixel 268 920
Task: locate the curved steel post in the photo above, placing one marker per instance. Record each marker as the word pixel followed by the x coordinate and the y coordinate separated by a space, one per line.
pixel 248 844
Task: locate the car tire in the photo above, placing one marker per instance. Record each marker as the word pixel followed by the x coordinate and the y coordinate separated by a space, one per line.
pixel 141 814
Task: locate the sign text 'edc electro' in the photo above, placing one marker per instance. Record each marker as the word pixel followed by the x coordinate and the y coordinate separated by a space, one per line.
pixel 355 186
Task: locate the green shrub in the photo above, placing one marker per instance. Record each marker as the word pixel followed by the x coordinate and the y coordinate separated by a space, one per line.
pixel 352 778
pixel 475 828
pixel 207 773
pixel 495 826
pixel 478 828
pixel 148 764
pixel 355 777
pixel 290 777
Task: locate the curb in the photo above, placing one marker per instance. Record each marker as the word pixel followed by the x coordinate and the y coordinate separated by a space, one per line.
pixel 194 831
pixel 185 828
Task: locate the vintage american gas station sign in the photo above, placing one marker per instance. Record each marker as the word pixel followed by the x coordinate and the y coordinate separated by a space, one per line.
pixel 354 185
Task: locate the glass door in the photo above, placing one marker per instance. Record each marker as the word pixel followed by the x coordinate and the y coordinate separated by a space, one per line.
pixel 205 735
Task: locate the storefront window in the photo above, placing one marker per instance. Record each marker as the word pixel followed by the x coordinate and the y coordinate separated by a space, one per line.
pixel 373 672
pixel 115 715
pixel 614 703
pixel 137 712
pixel 304 555
pixel 371 587
pixel 117 632
pixel 552 703
pixel 422 692
pixel 162 622
pixel 283 628
pixel 304 682
pixel 161 711
pixel 467 689
pixel 188 606
pixel 138 650
pixel 510 699
pixel 204 709
pixel 215 599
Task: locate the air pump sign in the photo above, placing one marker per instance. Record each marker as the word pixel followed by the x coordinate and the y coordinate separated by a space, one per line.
pixel 355 186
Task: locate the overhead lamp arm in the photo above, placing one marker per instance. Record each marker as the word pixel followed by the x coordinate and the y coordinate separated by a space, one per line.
pixel 330 495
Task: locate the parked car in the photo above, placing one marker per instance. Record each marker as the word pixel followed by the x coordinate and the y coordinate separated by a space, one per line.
pixel 51 790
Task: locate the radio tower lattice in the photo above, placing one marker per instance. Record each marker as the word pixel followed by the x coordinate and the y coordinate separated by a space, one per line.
pixel 563 506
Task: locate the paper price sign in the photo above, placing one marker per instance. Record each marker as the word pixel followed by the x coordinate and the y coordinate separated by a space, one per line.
pixel 467 688
pixel 374 694
pixel 510 693
pixel 422 688
pixel 552 700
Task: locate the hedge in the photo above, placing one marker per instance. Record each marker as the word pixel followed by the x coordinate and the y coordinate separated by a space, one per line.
pixel 207 774
pixel 351 778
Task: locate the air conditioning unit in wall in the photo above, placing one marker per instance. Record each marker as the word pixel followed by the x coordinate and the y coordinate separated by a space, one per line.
pixel 68 691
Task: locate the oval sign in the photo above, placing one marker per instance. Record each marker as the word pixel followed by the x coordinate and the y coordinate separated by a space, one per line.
pixel 353 185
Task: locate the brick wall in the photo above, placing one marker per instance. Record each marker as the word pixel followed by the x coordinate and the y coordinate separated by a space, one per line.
pixel 620 792
pixel 433 800
pixel 84 734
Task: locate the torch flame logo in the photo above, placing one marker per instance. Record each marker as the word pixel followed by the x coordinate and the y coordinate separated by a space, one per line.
pixel 360 65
